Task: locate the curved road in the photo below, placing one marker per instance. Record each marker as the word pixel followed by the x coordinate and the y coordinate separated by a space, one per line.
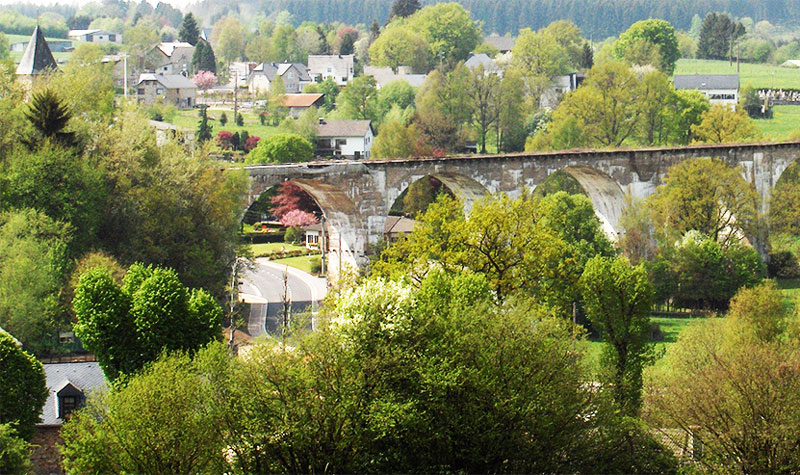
pixel 262 286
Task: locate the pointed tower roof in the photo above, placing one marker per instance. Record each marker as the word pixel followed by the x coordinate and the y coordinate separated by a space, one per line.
pixel 37 58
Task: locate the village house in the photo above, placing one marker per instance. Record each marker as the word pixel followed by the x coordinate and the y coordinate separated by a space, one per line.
pixel 718 88
pixel 293 75
pixel 170 58
pixel 385 75
pixel 95 36
pixel 167 89
pixel 299 103
pixel 504 44
pixel 344 139
pixel 338 67
pixel 559 86
pixel 68 384
pixel 483 59
pixel 397 227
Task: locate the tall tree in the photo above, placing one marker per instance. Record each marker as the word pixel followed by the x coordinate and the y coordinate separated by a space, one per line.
pixel 717 34
pixel 404 8
pixel 484 90
pixel 660 33
pixel 129 326
pixel 24 387
pixel 203 128
pixel 617 298
pixel 49 116
pixel 189 31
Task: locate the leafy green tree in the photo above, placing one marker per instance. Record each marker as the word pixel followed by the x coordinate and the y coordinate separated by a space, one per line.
pixel 189 33
pixel 14 451
pixel 784 216
pixel 401 46
pixel 61 184
pixel 538 57
pixel 33 264
pixel 230 37
pixel 685 112
pixel 444 109
pixel 751 102
pixel 484 90
pixel 761 308
pixel 130 325
pixel 24 387
pixel 607 108
pixel 617 298
pixel 281 148
pixel 4 47
pixel 720 124
pixel 658 97
pixel 396 93
pixel 330 91
pixel 139 40
pixel 396 140
pixel 658 32
pixel 708 196
pixel 359 100
pixel 510 130
pixel 737 393
pixel 448 29
pixel 114 433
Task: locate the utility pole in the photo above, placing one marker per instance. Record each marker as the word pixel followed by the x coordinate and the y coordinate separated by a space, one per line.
pixel 234 298
pixel 322 246
pixel 125 75
pixel 287 307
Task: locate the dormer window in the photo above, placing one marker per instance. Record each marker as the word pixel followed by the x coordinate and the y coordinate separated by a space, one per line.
pixel 68 398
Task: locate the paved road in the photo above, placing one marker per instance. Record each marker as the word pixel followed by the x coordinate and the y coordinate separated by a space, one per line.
pixel 262 287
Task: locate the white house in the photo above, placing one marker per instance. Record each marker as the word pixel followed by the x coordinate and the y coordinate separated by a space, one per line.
pixel 338 67
pixel 559 86
pixel 718 88
pixel 344 139
pixel 293 75
pixel 483 59
pixel 95 36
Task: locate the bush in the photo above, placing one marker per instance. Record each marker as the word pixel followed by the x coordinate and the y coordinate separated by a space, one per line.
pixel 225 139
pixel 316 265
pixel 291 236
pixel 783 265
pixel 281 148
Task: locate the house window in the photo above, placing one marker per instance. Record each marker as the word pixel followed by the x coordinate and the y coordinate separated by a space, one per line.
pixel 112 37
pixel 357 154
pixel 159 91
pixel 140 91
pixel 329 70
pixel 68 404
pixel 291 74
pixel 340 143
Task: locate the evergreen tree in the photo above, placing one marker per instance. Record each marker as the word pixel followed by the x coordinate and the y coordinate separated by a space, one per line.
pixel 204 129
pixel 203 58
pixel 374 31
pixel 587 56
pixel 239 120
pixel 49 116
pixel 404 8
pixel 716 35
pixel 223 119
pixel 189 32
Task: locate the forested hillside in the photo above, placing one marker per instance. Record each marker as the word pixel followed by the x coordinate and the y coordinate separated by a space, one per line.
pixel 597 18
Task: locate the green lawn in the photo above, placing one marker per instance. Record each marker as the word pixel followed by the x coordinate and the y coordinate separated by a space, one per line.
pixel 784 124
pixel 304 263
pixel 756 75
pixel 670 326
pixel 266 247
pixel 791 291
pixel 190 118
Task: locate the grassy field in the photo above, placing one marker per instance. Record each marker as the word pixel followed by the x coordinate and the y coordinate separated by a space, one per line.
pixel 756 75
pixel 784 124
pixel 304 263
pixel 190 118
pixel 791 291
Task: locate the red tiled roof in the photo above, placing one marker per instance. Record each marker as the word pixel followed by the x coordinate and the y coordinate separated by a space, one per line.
pixel 301 100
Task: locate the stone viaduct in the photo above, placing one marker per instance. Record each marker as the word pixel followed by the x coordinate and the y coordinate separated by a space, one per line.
pixel 356 196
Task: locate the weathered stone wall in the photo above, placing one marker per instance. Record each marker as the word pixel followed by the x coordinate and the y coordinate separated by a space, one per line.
pixel 356 195
pixel 45 457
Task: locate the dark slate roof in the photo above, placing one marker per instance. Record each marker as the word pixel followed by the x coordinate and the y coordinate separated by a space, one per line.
pixel 270 70
pixel 502 43
pixel 37 58
pixel 86 376
pixel 170 81
pixel 343 128
pixel 706 81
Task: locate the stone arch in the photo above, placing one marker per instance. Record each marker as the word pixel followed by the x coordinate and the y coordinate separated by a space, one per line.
pixel 606 195
pixel 466 189
pixel 342 222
